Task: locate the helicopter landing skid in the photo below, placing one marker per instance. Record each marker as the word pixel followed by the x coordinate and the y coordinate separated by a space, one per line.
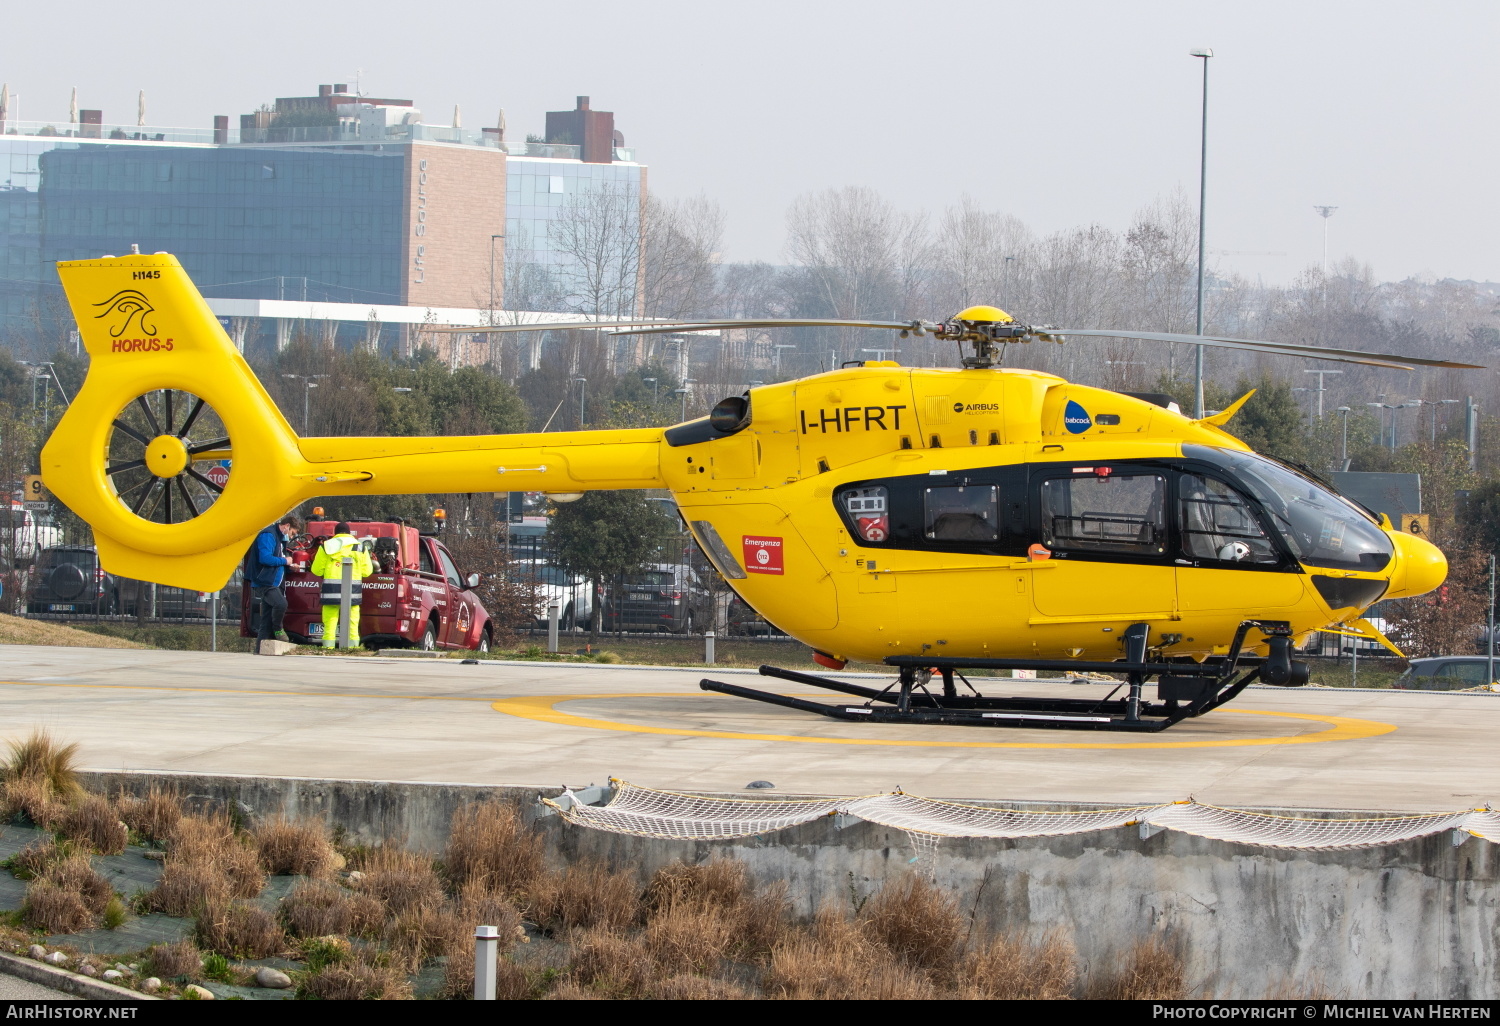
pixel 1184 689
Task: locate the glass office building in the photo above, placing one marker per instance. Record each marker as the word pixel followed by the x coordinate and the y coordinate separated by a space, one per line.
pixel 412 220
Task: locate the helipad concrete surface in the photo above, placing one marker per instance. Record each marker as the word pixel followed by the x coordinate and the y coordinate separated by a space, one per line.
pixel 538 723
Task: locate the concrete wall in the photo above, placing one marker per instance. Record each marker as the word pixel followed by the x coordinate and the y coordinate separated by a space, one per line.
pixel 1416 919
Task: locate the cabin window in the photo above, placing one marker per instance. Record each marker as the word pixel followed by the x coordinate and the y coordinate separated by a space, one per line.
pixel 962 513
pixel 1218 523
pixel 1094 510
pixel 869 508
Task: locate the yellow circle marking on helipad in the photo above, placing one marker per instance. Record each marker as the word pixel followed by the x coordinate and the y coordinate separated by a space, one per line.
pixel 543 708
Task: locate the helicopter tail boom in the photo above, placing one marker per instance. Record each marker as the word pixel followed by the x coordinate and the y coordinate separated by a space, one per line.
pixel 171 419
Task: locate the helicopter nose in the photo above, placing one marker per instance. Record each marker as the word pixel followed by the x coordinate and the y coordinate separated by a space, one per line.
pixel 1420 566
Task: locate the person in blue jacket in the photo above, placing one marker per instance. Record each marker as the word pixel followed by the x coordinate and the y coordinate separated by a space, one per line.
pixel 267 568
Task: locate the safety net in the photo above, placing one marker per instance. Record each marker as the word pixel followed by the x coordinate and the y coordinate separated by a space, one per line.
pixel 648 812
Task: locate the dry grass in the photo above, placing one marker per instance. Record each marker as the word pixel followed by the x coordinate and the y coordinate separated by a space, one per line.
pixel 1009 969
pixel 154 815
pixel 916 922
pixel 74 873
pixel 689 938
pixel 837 960
pixel 696 988
pixel 610 964
pixel 187 887
pixel 34 859
pixel 17 630
pixel 237 929
pixel 39 757
pixel 318 908
pixel 719 883
pixel 30 799
pixel 426 931
pixel 95 825
pixel 53 909
pixel 489 843
pixel 212 842
pixel 586 894
pixel 400 879
pixel 295 847
pixel 479 906
pixel 355 981
pixel 1151 971
pixel 168 961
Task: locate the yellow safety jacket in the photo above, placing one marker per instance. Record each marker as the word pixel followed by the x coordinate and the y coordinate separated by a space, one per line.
pixel 329 565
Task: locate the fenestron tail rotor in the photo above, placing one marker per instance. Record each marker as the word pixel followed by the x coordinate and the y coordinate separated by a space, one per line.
pixel 161 448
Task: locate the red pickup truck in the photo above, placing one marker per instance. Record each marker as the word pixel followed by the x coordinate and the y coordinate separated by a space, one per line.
pixel 416 598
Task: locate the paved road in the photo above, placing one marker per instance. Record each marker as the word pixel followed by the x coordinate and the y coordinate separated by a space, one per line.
pixel 13 988
pixel 404 719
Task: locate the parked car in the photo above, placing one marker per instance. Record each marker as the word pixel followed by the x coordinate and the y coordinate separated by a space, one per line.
pixel 574 596
pixel 416 598
pixel 68 579
pixel 662 597
pixel 744 620
pixel 24 533
pixel 162 601
pixel 1447 673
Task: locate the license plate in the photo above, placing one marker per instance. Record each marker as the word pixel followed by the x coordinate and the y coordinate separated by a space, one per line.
pixel 636 596
pixel 55 608
pixel 315 629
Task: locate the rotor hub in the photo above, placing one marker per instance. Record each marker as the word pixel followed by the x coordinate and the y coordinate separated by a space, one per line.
pixel 166 456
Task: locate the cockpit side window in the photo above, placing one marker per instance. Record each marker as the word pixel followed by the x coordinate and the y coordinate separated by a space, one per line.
pixel 1218 523
pixel 1090 511
pixel 1322 528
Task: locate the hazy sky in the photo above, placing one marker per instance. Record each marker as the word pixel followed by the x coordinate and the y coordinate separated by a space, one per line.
pixel 1061 113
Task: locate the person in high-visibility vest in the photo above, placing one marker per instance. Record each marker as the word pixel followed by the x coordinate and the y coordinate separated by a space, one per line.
pixel 329 565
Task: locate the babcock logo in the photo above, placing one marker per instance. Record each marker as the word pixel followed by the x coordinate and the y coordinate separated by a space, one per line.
pixel 1076 418
pixel 123 307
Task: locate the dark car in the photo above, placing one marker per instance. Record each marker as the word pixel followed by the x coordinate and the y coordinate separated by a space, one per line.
pixel 742 619
pixel 1446 673
pixel 68 579
pixel 662 598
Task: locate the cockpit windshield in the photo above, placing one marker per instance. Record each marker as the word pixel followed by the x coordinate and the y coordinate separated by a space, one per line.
pixel 1323 528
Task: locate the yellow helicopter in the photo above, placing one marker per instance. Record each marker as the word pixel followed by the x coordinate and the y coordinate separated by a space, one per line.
pixel 930 519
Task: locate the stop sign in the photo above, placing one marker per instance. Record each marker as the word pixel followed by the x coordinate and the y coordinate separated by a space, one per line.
pixel 218 475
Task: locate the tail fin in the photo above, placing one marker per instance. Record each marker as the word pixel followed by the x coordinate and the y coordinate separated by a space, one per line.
pixel 167 395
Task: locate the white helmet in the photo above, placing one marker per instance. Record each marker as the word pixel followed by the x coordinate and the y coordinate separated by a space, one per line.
pixel 1234 552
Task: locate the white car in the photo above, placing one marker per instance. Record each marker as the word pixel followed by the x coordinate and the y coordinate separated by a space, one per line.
pixel 573 594
pixel 23 534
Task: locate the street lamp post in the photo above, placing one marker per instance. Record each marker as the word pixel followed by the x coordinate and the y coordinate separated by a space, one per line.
pixel 1435 403
pixel 1344 450
pixel 683 393
pixel 492 277
pixel 309 382
pixel 1205 54
pixel 1321 386
pixel 653 389
pixel 583 384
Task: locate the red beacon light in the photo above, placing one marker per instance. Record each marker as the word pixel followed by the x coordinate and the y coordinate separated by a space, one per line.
pixel 1103 471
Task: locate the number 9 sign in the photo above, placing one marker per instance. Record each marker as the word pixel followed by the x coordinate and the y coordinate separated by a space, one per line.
pixel 35 490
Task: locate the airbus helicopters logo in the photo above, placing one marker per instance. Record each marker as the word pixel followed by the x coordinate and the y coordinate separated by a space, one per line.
pixel 124 307
pixel 976 407
pixel 1076 419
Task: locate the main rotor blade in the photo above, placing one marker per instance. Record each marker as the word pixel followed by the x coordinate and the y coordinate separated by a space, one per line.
pixel 657 329
pixel 1277 348
pixel 658 325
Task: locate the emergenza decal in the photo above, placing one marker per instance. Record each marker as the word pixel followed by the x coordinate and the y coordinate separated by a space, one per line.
pixel 846 418
pixel 1076 418
pixel 123 307
pixel 762 554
